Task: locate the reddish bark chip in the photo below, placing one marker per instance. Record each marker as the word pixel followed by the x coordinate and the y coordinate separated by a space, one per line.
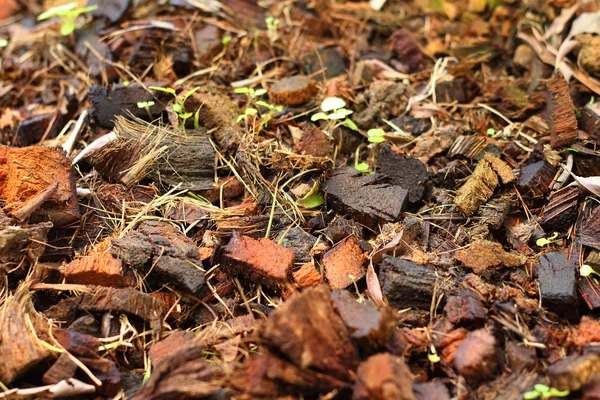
pixel 259 260
pixel 483 254
pixel 382 377
pixel 586 332
pixel 344 263
pixel 39 184
pixel 293 91
pixel 163 349
pixel 476 358
pixel 97 269
pixel 307 276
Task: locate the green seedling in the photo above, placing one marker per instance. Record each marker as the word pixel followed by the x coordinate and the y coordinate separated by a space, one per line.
pixel 148 370
pixel 312 199
pixel 545 392
pixel 252 95
pixel 179 104
pixel 587 270
pixel 3 42
pixel 362 167
pixel 376 135
pixel 433 356
pixel 251 92
pixel 491 132
pixel 247 112
pixel 333 109
pixel 225 40
pixel 592 100
pixel 542 242
pixel 272 25
pixel 146 105
pixel 68 13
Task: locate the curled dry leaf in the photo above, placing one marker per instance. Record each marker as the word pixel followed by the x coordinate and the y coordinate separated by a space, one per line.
pixel 591 184
pixel 374 286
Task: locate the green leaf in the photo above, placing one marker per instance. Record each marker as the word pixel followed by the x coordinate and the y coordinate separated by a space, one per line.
pixel 241 117
pixel 264 104
pixel 312 199
pixel 541 388
pixel 67 27
pixel 434 358
pixel 376 139
pixel 259 92
pixel 165 90
pixel 3 42
pixel 376 132
pixel 318 116
pixel 336 116
pixel 242 90
pixel 350 124
pixel 534 394
pixel 83 10
pixel 558 393
pixel 185 115
pixel 362 167
pixel 251 111
pixel 189 93
pixel 56 11
pixel 332 103
pixel 225 40
pixel 344 111
pixel 177 108
pixel 586 270
pixel 148 371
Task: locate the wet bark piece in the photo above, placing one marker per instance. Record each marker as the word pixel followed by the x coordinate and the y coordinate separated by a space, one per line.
pixel 467 307
pixel 561 112
pixel 385 100
pixel 39 184
pixel 535 179
pixel 574 372
pixel 519 357
pixel 590 120
pixel 176 340
pixel 368 326
pixel 97 269
pixel 494 213
pixel 344 263
pixel 110 102
pixel 477 357
pixel 369 199
pixel 308 331
pixel 314 142
pixel 404 171
pixel 588 232
pixel 183 375
pixel 383 377
pixel 293 91
pixel 328 62
pixel 128 300
pixel 407 284
pixel 431 391
pixel 63 368
pixel 258 260
pixel 587 331
pixel 299 241
pixel 20 348
pixel 558 283
pixel 113 10
pixel 483 254
pixel 561 210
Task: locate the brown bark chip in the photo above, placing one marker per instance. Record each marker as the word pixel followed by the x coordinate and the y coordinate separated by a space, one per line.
pixel 344 263
pixel 308 331
pixel 259 260
pixel 97 269
pixel 574 372
pixel 383 377
pixel 307 276
pixel 476 358
pixel 561 112
pixel 39 183
pixel 477 190
pixel 483 254
pixel 293 91
pixel 174 342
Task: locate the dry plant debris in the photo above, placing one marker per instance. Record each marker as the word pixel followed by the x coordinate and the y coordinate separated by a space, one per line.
pixel 299 200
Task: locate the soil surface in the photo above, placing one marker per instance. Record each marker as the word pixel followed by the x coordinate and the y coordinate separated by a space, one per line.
pixel 308 199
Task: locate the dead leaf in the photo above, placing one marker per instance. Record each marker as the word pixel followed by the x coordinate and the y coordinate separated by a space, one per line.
pixel 374 286
pixel 591 184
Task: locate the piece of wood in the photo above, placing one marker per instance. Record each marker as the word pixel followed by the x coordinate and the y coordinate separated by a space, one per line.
pixel 308 331
pixel 562 209
pixel 98 269
pixel 464 308
pixel 477 356
pixel 293 90
pixel 535 179
pixel 383 377
pixel 258 260
pixel 558 285
pixel 483 254
pixel 307 276
pixel 344 263
pixel 404 171
pixel 369 199
pixel 574 371
pixel 561 112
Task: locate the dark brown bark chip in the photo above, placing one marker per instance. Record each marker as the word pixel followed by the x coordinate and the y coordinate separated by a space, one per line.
pixel 369 199
pixel 466 307
pixel 383 377
pixel 404 171
pixel 299 241
pixel 431 391
pixel 535 179
pixel 477 357
pixel 293 91
pixel 520 357
pixel 307 330
pixel 557 278
pixel 574 372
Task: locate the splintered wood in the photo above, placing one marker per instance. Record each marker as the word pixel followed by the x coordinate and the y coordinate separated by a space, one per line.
pixel 561 112
pixel 480 186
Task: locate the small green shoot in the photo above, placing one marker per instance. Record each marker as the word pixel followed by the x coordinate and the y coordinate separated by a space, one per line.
pixel 334 109
pixel 592 100
pixel 251 92
pixel 587 270
pixel 362 167
pixel 432 355
pixel 146 105
pixel 148 370
pixel 312 199
pixel 247 112
pixel 491 132
pixel 376 135
pixel 3 42
pixel 252 95
pixel 68 13
pixel 542 242
pixel 179 104
pixel 272 25
pixel 545 392
pixel 225 40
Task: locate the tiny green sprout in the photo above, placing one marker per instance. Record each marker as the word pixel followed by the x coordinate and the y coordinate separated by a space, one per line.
pixel 545 392
pixel 491 132
pixel 362 167
pixel 249 111
pixel 251 92
pixel 376 135
pixel 3 42
pixel 68 13
pixel 225 40
pixel 587 270
pixel 334 109
pixel 179 104
pixel 126 83
pixel 312 199
pixel 433 358
pixel 272 25
pixel 541 242
pixel 148 370
pixel 146 105
pixel 592 100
